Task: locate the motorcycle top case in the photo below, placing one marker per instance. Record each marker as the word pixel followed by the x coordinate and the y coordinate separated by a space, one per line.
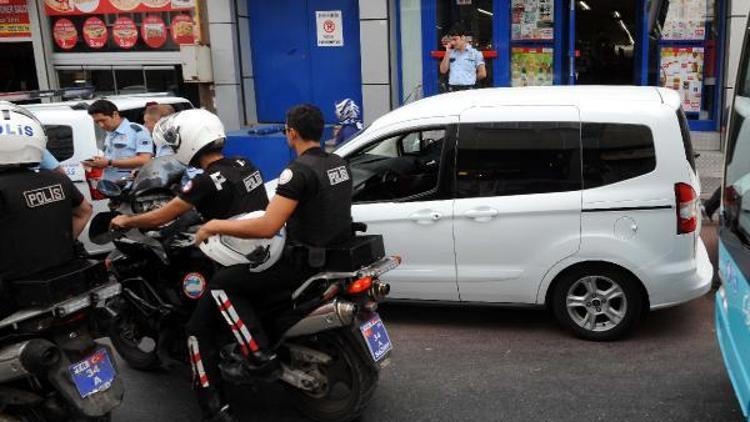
pixel 59 283
pixel 349 256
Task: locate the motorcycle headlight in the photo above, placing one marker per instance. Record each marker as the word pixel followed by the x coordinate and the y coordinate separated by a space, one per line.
pixel 146 203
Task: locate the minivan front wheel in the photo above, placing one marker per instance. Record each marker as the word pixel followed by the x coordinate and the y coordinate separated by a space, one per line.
pixel 598 303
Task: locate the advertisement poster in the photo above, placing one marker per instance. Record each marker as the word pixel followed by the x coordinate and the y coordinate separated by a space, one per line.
pixel 124 32
pixel 182 29
pixel 95 32
pixel 14 19
pixel 532 67
pixel 330 28
pixel 686 20
pixel 104 7
pixel 154 31
pixel 682 70
pixel 65 34
pixel 533 19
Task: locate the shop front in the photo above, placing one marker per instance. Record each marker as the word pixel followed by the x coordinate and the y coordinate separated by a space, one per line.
pixel 121 46
pixel 18 70
pixel 672 43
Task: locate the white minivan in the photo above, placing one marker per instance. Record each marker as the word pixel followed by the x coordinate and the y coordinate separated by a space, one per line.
pixel 580 199
pixel 72 137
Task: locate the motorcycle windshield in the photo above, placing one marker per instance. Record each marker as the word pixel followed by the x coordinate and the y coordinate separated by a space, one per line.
pixel 162 172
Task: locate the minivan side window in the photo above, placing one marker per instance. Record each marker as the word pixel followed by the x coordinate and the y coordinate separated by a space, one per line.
pixel 59 141
pixel 613 152
pixel 400 167
pixel 502 159
pixel 736 198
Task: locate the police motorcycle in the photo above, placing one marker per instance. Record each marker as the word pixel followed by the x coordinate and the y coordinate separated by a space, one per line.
pixel 327 333
pixel 51 369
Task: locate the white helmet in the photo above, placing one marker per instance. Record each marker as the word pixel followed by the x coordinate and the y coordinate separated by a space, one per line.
pixel 187 132
pixel 22 138
pixel 261 254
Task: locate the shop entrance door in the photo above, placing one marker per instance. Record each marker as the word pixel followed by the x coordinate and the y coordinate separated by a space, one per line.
pixel 294 61
pixel 605 33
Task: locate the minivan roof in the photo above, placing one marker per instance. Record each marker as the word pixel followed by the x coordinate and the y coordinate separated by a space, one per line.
pixel 123 102
pixel 453 104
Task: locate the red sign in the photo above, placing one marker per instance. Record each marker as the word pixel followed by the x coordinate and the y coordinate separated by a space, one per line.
pixel 95 32
pixel 154 31
pixel 124 32
pixel 65 34
pixel 182 29
pixel 14 19
pixel 104 7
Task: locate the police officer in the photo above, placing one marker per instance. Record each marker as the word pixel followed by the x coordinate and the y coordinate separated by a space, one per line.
pixel 227 187
pixel 313 199
pixel 465 64
pixel 41 211
pixel 127 145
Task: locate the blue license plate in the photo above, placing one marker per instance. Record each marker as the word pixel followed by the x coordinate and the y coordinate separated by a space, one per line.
pixel 93 374
pixel 376 337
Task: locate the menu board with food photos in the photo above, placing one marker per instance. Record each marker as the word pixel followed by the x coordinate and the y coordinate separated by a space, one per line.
pixel 682 70
pixel 533 19
pixel 121 25
pixel 686 20
pixel 531 67
pixel 103 7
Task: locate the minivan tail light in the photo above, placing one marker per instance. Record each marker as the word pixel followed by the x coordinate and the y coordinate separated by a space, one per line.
pixel 687 208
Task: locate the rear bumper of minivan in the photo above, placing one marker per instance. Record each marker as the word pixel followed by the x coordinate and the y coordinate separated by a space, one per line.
pixel 682 282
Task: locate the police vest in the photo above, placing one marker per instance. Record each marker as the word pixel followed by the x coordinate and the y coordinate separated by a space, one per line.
pixel 35 222
pixel 326 218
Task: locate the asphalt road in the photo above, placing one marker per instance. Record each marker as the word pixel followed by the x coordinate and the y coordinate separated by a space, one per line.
pixel 489 364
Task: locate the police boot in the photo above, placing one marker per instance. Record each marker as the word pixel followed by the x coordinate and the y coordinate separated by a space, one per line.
pixel 212 406
pixel 223 415
pixel 238 369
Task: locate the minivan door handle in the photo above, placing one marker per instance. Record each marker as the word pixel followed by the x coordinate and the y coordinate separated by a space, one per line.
pixel 482 214
pixel 425 217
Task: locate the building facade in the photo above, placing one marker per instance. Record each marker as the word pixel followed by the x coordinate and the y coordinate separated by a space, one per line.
pixel 268 55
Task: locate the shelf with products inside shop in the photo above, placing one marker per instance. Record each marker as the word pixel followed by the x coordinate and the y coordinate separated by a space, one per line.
pixel 487 54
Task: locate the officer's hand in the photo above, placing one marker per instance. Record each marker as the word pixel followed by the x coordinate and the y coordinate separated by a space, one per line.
pixel 203 233
pixel 98 161
pixel 119 223
pixel 448 46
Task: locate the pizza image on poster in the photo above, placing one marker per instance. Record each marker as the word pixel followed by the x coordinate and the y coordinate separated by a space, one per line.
pixel 65 34
pixel 95 32
pixel 62 6
pixel 125 5
pixel 154 31
pixel 182 29
pixel 155 3
pixel 124 32
pixel 86 6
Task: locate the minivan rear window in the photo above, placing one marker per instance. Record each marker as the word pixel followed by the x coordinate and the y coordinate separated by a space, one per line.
pixel 613 152
pixel 59 141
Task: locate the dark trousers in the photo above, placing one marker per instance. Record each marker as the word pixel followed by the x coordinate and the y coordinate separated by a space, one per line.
pixel 228 302
pixel 454 88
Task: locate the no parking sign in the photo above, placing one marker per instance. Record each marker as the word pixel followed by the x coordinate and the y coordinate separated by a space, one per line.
pixel 330 29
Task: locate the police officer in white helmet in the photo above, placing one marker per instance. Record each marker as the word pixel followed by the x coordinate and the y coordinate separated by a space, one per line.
pixel 41 211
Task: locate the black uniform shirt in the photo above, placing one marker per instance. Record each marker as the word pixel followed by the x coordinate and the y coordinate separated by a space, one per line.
pixel 228 187
pixel 322 185
pixel 36 221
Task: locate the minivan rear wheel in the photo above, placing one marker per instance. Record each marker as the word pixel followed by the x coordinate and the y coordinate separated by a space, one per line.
pixel 598 303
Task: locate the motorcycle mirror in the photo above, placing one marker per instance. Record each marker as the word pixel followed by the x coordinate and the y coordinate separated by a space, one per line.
pixel 109 188
pixel 99 232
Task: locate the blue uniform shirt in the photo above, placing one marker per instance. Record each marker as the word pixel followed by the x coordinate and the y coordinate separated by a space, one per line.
pixel 49 162
pixel 463 66
pixel 128 140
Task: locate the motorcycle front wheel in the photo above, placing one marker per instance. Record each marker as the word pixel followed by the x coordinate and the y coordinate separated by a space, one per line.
pixel 351 380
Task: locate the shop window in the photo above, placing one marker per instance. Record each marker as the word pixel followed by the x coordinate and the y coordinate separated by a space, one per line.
pixel 503 159
pixel 401 167
pixel 411 50
pixel 162 80
pixel 59 141
pixel 615 152
pixel 130 81
pixel 476 17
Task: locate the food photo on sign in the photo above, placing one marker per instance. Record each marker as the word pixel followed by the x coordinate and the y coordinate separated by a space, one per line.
pixel 182 29
pixel 95 32
pixel 124 32
pixel 65 34
pixel 154 31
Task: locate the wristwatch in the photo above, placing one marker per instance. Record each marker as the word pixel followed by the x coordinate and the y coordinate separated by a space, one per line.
pixel 109 163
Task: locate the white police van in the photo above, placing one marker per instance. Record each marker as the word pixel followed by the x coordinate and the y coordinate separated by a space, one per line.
pixel 73 137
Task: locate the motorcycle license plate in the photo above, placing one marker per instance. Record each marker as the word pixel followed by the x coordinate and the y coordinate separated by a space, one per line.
pixel 93 374
pixel 376 338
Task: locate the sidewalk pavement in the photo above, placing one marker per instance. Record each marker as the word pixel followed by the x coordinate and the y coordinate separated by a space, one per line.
pixel 710 163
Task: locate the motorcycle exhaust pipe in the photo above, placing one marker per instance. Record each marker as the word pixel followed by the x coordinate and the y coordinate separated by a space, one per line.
pixel 35 356
pixel 334 314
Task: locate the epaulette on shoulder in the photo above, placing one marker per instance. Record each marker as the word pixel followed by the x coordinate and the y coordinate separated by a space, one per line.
pixel 136 127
